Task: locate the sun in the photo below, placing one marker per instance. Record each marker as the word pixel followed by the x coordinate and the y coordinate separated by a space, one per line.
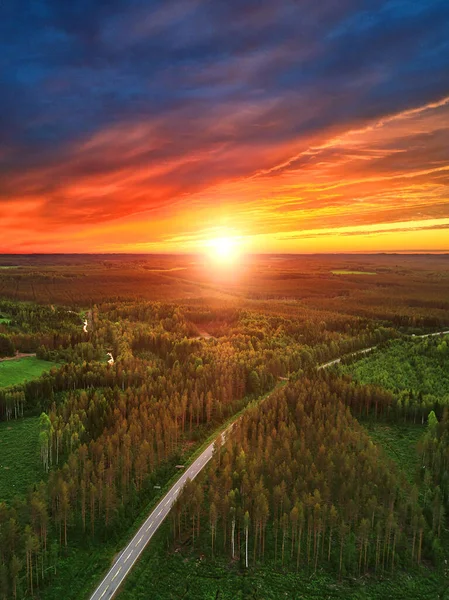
pixel 224 250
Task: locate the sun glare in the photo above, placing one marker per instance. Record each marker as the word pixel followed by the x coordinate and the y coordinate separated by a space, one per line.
pixel 224 250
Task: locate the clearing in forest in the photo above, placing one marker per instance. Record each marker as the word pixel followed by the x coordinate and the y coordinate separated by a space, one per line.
pixel 20 464
pixel 19 370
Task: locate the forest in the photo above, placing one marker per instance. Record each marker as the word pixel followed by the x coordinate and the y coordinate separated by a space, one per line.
pixel 129 388
pixel 301 481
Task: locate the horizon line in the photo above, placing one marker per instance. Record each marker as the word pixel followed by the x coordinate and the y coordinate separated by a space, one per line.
pixel 329 253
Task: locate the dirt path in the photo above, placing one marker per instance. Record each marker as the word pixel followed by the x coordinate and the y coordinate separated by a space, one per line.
pixel 18 355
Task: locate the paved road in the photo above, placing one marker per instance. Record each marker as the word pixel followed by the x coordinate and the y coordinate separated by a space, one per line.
pixel 124 563
pixel 126 559
pixel 338 360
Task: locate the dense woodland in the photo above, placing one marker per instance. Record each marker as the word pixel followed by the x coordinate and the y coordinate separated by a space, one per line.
pixel 299 475
pixel 408 291
pixel 298 482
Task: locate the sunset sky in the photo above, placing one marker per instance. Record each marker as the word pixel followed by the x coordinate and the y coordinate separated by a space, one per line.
pixel 296 126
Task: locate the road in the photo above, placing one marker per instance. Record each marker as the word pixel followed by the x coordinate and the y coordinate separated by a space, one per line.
pixel 338 360
pixel 125 561
pixel 127 558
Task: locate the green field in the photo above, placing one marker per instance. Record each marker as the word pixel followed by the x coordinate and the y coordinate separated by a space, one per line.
pixel 19 370
pixel 399 442
pixel 20 464
pixel 345 272
pixel 4 320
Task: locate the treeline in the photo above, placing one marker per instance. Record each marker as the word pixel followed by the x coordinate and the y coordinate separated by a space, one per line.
pixel 77 353
pixel 299 482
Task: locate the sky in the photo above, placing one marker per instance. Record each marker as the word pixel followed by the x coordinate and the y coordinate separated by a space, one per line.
pixel 289 126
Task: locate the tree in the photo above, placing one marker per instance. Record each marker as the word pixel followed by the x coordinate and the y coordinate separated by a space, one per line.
pixel 246 525
pixel 254 383
pixel 14 570
pixel 6 346
pixel 213 523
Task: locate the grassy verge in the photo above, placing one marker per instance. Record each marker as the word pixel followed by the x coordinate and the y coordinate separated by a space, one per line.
pixel 19 370
pixel 20 465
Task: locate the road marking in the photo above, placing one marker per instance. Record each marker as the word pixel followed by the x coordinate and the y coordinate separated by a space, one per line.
pixel 149 526
pixel 116 574
pixel 139 540
pixel 159 512
pixel 128 555
pixel 105 590
pixel 168 501
pixel 176 491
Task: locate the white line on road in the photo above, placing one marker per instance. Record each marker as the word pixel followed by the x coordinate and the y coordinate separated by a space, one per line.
pixel 128 555
pixel 116 574
pixel 105 590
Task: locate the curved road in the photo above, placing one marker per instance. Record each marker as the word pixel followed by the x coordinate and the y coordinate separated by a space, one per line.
pixel 126 559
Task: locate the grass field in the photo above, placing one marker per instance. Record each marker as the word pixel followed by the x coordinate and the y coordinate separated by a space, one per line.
pixel 399 442
pixel 22 369
pixel 20 464
pixel 345 272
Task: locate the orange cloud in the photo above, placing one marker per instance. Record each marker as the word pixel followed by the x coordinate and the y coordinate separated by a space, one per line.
pixel 155 187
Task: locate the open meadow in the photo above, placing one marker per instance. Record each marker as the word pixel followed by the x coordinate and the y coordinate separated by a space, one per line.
pixel 19 370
